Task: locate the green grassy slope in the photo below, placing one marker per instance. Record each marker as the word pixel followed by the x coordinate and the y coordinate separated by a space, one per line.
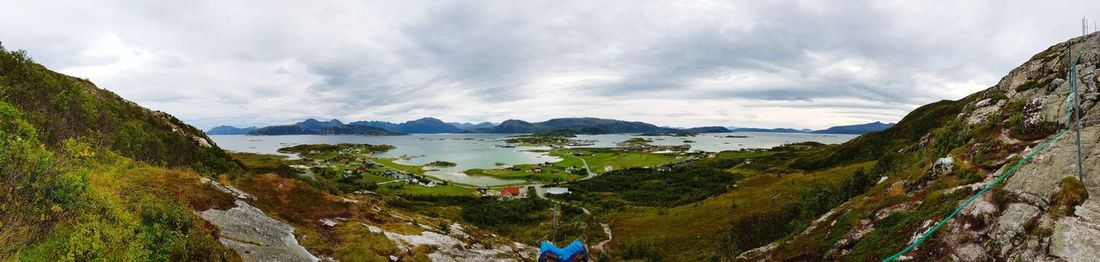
pixel 60 107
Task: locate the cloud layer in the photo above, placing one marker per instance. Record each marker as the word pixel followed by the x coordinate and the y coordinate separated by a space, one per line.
pixel 804 64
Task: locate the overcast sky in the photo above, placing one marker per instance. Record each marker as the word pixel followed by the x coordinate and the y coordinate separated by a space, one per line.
pixel 803 64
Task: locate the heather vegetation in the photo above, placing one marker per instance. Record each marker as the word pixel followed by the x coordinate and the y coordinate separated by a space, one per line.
pixel 83 203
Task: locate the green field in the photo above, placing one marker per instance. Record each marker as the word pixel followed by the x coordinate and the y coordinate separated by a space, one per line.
pixel 597 158
pixel 389 162
pixel 553 173
pixel 618 159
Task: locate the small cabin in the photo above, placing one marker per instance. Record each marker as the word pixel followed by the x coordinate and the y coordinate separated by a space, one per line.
pixel 510 192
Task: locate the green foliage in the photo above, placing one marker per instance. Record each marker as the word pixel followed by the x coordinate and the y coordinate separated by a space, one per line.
pixel 954 134
pixel 757 229
pixel 103 224
pixel 642 251
pixel 490 212
pixel 997 97
pixel 1028 86
pixel 34 189
pixel 171 232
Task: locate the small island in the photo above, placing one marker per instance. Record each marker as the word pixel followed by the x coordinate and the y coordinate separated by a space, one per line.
pixel 440 163
pixel 679 134
pixel 547 139
pixel 319 150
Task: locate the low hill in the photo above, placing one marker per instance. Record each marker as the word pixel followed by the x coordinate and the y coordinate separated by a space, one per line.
pixel 230 130
pixel 707 129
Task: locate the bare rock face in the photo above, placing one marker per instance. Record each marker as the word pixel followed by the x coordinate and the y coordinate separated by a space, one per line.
pixel 985 108
pixel 453 246
pixel 1076 240
pixel 255 236
pixel 1012 223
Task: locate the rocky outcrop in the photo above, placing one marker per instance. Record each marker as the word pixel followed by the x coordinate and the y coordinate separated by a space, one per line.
pixel 251 233
pixel 1025 230
pixel 454 245
pixel 255 236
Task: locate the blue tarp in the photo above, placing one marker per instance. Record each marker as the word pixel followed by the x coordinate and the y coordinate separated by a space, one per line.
pixel 575 251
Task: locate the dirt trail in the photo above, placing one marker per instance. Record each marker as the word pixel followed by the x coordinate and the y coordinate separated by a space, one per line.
pixel 607 231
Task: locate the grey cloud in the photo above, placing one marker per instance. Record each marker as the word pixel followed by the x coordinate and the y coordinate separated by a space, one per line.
pixel 267 62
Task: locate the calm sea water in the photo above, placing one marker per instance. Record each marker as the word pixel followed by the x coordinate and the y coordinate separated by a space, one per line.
pixel 479 150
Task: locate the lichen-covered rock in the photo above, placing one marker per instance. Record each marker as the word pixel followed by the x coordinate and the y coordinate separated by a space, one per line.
pixel 1076 240
pixel 1012 222
pixel 944 165
pixel 255 236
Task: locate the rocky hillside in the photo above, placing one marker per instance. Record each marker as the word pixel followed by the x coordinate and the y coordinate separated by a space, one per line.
pixel 943 153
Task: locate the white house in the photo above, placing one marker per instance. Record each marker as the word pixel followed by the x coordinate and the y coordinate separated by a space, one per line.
pixel 557 190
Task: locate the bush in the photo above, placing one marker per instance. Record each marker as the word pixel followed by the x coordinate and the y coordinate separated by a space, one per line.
pixel 641 251
pixel 490 212
pixel 35 190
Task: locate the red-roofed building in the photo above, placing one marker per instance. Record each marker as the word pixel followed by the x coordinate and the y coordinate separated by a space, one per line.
pixel 510 192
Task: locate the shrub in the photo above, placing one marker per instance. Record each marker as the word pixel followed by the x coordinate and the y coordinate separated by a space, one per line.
pixel 35 190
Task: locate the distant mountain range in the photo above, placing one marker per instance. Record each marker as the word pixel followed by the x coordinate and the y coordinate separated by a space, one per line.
pixel 229 130
pixel 315 127
pixel 585 125
pixel 471 126
pixel 847 129
pixel 769 130
pixel 425 125
pixel 856 129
